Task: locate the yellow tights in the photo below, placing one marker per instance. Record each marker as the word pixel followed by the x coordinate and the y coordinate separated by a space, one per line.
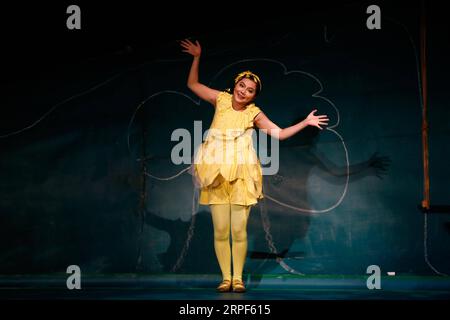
pixel 234 217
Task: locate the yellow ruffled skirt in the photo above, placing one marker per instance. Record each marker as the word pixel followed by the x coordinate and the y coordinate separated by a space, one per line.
pixel 227 170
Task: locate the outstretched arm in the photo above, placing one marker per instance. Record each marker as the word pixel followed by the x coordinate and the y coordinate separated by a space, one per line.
pixel 202 91
pixel 265 124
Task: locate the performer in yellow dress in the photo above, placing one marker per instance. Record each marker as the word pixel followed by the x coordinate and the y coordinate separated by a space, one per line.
pixel 226 166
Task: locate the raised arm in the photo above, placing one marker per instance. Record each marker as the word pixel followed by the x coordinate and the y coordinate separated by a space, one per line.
pixel 202 91
pixel 265 124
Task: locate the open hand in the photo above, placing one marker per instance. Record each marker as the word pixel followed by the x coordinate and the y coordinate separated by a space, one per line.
pixel 379 164
pixel 316 121
pixel 191 48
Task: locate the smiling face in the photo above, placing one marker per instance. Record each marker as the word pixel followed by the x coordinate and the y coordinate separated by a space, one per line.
pixel 244 91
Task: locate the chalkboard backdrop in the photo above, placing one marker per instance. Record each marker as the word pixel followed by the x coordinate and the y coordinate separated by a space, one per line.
pixel 86 176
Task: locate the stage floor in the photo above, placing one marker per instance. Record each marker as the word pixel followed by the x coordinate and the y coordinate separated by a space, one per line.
pixel 202 287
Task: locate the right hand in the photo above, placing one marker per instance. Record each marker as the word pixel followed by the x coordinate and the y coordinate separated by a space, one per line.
pixel 191 48
pixel 313 120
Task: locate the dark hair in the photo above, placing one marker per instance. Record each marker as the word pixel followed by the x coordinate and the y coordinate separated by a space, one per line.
pixel 248 75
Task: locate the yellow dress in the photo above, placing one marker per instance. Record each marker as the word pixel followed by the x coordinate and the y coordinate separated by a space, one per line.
pixel 226 166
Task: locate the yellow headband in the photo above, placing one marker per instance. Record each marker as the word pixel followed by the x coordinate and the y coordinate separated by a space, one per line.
pixel 250 75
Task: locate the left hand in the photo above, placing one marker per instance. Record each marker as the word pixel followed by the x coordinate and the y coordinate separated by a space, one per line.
pixel 379 164
pixel 316 121
pixel 193 49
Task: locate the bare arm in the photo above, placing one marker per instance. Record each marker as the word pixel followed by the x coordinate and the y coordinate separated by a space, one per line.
pixel 266 125
pixel 202 91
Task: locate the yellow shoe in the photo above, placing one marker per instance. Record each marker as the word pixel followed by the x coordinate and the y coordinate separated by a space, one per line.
pixel 224 286
pixel 238 285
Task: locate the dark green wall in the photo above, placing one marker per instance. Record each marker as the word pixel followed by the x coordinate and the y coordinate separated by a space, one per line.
pixel 72 191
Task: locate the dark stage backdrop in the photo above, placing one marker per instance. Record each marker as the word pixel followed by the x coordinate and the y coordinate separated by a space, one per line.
pixel 87 117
